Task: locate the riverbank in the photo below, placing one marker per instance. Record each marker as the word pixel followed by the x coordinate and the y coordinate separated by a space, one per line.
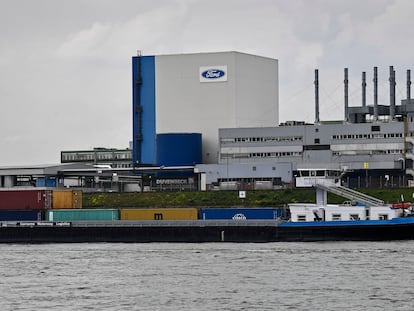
pixel 259 198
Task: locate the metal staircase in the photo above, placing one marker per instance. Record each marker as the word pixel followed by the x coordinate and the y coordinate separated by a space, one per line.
pixel 348 193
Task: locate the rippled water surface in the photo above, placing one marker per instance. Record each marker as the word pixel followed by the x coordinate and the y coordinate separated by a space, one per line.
pixel 211 276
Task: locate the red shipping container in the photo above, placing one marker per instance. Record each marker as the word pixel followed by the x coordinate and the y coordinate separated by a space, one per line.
pixel 25 199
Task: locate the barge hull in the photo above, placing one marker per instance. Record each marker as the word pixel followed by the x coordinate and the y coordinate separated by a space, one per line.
pixel 196 232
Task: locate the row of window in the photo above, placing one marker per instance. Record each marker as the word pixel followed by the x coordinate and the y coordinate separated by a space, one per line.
pixel 121 165
pixel 367 152
pixel 299 154
pixel 367 136
pixel 261 155
pixel 96 156
pixel 338 217
pixel 261 139
pixel 300 138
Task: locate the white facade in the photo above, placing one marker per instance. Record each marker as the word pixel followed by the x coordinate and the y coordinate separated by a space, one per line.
pixel 311 212
pixel 242 91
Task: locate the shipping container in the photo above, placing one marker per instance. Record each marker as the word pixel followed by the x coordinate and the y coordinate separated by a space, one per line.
pixel 21 215
pixel 82 214
pixel 25 199
pixel 240 213
pixel 67 199
pixel 159 214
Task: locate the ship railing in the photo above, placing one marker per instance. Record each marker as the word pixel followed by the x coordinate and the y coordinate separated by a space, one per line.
pixel 179 223
pixel 350 194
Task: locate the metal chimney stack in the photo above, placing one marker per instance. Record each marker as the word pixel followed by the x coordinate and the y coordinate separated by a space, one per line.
pixel 364 89
pixel 408 84
pixel 392 93
pixel 316 96
pixel 346 94
pixel 375 93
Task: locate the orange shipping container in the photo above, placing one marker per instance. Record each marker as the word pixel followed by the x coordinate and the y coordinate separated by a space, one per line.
pixel 66 199
pixel 159 214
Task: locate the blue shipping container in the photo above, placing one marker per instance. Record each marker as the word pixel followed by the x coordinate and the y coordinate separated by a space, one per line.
pixel 240 213
pixel 21 215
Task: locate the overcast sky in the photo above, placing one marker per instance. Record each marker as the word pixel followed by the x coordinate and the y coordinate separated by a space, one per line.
pixel 65 66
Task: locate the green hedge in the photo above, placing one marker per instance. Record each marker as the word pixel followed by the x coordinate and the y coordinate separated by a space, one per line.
pixel 275 198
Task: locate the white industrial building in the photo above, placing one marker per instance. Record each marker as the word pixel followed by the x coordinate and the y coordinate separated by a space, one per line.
pixel 200 93
pixel 373 145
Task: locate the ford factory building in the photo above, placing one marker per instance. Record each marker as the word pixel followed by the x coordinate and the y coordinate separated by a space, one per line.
pixel 180 102
pixel 373 146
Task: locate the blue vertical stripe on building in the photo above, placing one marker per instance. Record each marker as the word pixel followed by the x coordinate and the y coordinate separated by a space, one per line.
pixel 143 97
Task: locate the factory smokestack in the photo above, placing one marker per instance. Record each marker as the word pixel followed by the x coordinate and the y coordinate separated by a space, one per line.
pixel 346 93
pixel 364 89
pixel 408 84
pixel 392 93
pixel 375 93
pixel 316 96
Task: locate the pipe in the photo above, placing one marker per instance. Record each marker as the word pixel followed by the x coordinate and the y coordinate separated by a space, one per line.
pixel 392 93
pixel 375 93
pixel 408 84
pixel 316 82
pixel 364 89
pixel 346 94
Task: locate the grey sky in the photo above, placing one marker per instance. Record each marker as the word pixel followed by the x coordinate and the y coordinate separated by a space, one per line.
pixel 65 66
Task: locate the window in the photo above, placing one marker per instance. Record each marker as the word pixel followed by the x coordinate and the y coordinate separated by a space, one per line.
pixel 383 216
pixel 317 140
pixel 320 173
pixel 336 217
pixel 301 217
pixel 354 217
pixel 375 128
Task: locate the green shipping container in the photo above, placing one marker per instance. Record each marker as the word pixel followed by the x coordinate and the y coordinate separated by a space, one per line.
pixel 82 214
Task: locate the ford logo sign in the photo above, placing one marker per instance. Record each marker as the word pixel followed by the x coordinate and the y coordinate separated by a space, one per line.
pixel 213 74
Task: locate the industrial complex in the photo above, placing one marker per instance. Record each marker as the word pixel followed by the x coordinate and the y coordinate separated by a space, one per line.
pixel 210 121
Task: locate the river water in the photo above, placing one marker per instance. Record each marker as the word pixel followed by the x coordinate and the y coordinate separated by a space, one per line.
pixel 210 276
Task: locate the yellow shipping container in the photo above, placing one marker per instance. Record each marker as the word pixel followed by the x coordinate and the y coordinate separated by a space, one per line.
pixel 159 214
pixel 67 199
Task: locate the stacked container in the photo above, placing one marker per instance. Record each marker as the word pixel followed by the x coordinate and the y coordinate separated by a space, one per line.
pixel 31 204
pixel 67 199
pixel 82 214
pixel 21 205
pixel 25 199
pixel 159 214
pixel 241 213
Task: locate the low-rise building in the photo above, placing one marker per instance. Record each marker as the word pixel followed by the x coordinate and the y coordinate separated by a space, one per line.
pixel 114 158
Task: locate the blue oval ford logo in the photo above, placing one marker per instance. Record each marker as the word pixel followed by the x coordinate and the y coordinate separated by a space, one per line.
pixel 213 73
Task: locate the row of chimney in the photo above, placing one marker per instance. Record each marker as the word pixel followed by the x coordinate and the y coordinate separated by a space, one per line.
pixel 364 85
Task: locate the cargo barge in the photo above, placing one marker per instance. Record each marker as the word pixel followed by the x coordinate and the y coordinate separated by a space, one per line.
pixel 362 219
pixel 197 231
